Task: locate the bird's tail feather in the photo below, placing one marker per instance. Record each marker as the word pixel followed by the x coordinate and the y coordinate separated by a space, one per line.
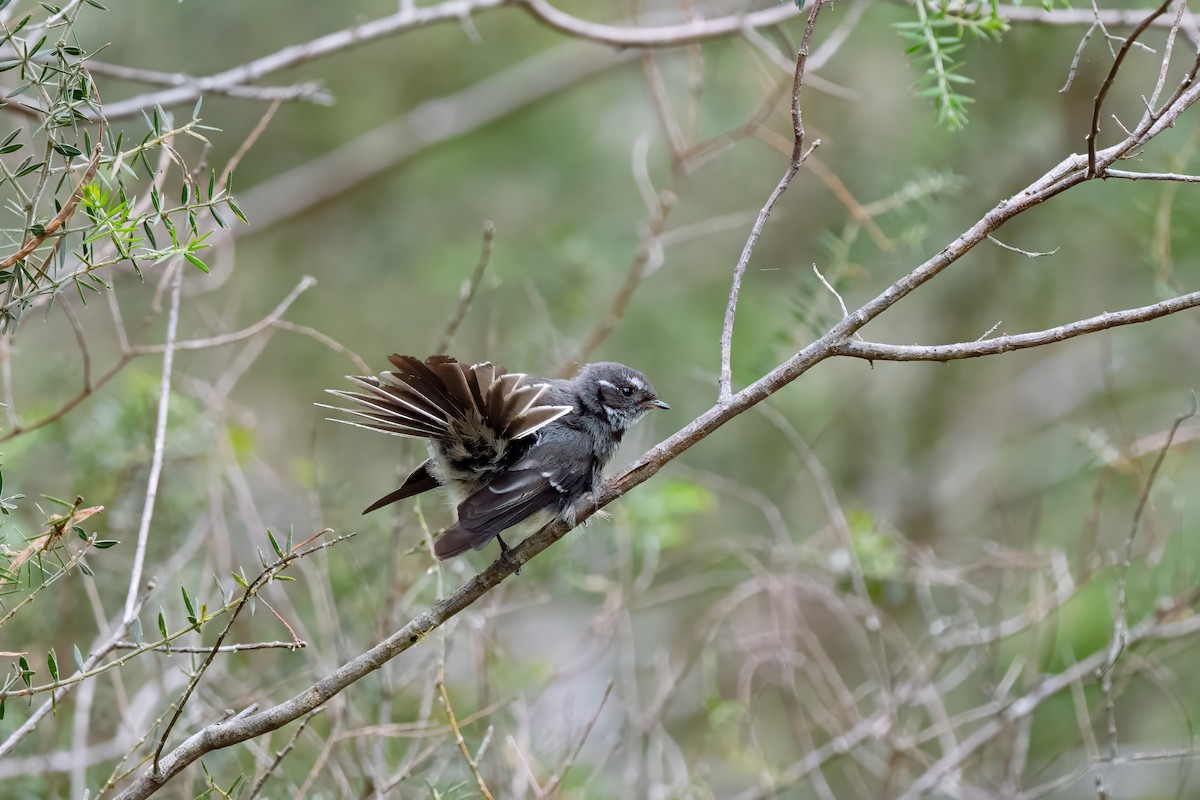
pixel 458 540
pixel 428 399
pixel 419 480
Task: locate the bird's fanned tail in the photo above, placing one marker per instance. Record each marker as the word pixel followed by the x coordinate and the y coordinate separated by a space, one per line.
pixel 472 409
pixel 439 397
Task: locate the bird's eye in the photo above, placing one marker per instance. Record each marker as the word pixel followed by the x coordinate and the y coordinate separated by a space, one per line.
pixel 627 390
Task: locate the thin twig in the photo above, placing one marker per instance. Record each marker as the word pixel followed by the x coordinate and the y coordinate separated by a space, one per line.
pixel 325 339
pixel 225 648
pixel 1120 624
pixel 1029 253
pixel 249 592
pixel 1174 177
pixel 94 658
pixel 469 288
pixel 557 779
pixel 1075 59
pixel 279 756
pixel 255 133
pixel 725 381
pixel 1110 79
pixel 160 441
pixel 81 341
pixel 460 741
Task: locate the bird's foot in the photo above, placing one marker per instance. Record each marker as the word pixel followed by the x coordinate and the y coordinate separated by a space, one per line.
pixel 504 555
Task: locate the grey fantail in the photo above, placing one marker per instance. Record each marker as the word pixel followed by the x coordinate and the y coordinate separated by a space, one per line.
pixel 505 445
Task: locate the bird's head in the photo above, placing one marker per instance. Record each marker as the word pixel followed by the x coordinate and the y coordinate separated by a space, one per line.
pixel 616 392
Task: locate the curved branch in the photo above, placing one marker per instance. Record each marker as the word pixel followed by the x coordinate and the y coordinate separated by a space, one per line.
pixel 874 351
pixel 700 30
pixel 725 381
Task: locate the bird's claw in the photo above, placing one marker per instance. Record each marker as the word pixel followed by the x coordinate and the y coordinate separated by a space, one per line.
pixel 505 550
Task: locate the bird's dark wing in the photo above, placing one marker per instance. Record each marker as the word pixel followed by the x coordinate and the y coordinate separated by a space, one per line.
pixel 441 399
pixel 419 480
pixel 510 498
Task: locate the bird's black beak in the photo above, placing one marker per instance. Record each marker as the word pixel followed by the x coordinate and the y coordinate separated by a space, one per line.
pixel 656 403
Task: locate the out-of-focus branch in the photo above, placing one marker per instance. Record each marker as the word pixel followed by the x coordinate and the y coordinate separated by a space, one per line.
pixel 1152 628
pixel 1084 16
pixel 96 656
pixel 225 648
pixel 699 30
pixel 129 355
pixel 307 91
pixel 470 286
pixel 314 183
pixel 282 754
pixel 157 453
pixel 407 19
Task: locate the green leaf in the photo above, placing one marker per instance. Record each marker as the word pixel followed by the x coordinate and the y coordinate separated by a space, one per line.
pixel 26 672
pixel 187 601
pixel 237 212
pixel 195 262
pixel 136 631
pixel 104 544
pixel 78 657
pixel 274 544
pixel 36 48
pixel 52 665
pixel 70 151
pixel 31 168
pixel 221 589
pixel 162 624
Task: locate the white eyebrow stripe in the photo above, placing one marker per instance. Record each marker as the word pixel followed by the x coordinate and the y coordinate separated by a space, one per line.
pixel 639 383
pixel 603 382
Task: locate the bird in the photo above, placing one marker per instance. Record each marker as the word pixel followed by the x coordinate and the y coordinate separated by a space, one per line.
pixel 506 446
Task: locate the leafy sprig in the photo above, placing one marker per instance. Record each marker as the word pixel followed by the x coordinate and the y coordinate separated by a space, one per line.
pixel 937 36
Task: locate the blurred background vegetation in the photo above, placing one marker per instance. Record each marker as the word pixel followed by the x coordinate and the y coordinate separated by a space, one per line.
pixel 711 621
